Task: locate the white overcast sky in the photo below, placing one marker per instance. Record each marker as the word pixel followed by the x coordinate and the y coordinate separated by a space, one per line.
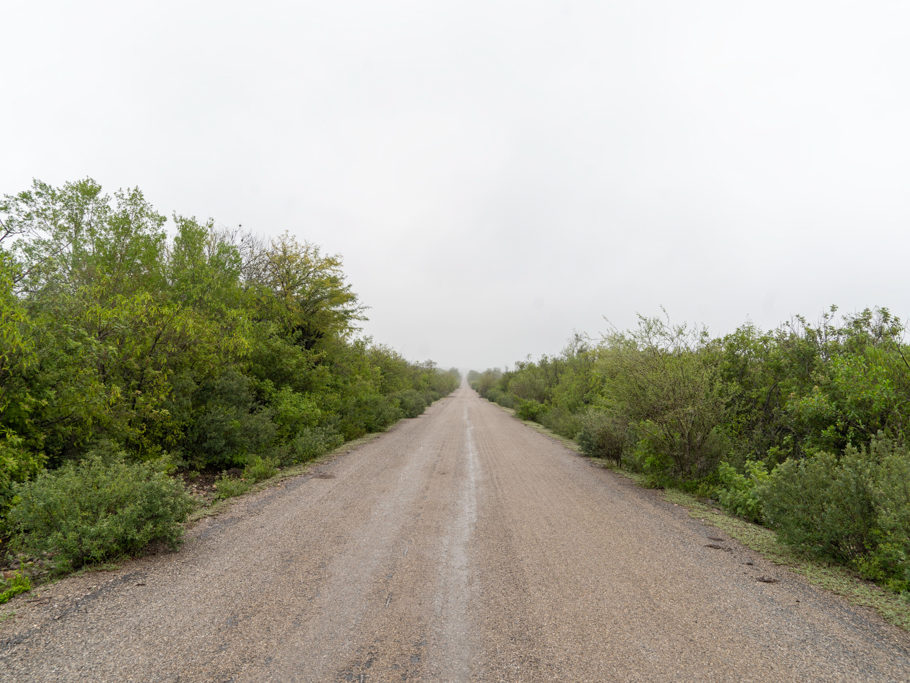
pixel 498 174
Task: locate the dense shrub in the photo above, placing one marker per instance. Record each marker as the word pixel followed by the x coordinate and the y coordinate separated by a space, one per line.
pixel 96 511
pixel 740 492
pixel 16 584
pixel 202 348
pixel 827 403
pixel 227 424
pixel 17 464
pixel 648 456
pixel 259 469
pixel 561 421
pixel 309 443
pixel 665 377
pixel 855 509
pixel 361 414
pixel 529 409
pixel 227 486
pixel 294 412
pixel 603 435
pixel 503 398
pixel 412 402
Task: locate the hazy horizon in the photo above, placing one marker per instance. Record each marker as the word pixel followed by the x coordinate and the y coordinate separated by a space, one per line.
pixel 499 175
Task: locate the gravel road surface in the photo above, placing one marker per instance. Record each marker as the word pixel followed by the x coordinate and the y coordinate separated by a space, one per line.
pixel 461 545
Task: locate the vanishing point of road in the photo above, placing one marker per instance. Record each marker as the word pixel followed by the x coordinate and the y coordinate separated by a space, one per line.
pixel 460 545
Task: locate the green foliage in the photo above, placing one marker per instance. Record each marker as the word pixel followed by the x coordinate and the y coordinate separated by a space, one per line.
pixel 603 434
pixel 501 397
pixel 740 492
pixel 294 412
pixel 14 585
pixel 15 347
pixel 304 291
pixel 310 444
pixel 561 420
pixel 818 401
pixel 209 350
pixel 855 509
pixel 484 382
pixel 665 378
pixel 17 464
pixel 96 511
pixel 649 457
pixel 529 409
pixel 227 486
pixel 412 402
pixel 226 424
pixel 259 469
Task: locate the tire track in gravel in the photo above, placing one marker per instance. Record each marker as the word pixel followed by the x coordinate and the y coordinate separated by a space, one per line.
pixel 461 545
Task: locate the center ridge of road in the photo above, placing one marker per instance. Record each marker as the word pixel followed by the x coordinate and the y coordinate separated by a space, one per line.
pixel 461 545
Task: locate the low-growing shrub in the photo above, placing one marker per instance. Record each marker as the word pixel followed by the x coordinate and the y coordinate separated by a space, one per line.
pixel 648 456
pixel 561 421
pixel 855 509
pixel 96 511
pixel 367 413
pixel 739 492
pixel 17 583
pixel 413 402
pixel 311 443
pixel 259 469
pixel 603 435
pixel 530 409
pixel 503 398
pixel 294 412
pixel 227 486
pixel 17 464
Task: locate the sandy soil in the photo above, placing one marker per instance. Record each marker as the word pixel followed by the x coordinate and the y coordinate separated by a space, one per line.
pixel 461 545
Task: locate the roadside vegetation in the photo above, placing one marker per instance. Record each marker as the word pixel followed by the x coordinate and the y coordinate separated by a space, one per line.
pixel 138 353
pixel 803 429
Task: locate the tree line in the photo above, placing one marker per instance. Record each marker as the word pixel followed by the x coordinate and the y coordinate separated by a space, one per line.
pixel 803 428
pixel 135 352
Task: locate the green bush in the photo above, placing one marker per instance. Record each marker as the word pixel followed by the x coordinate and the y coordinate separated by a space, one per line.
pixel 529 409
pixel 855 510
pixel 800 502
pixel 648 456
pixel 17 583
pixel 739 493
pixel 561 421
pixel 294 412
pixel 413 402
pixel 96 511
pixel 227 425
pixel 310 444
pixel 259 469
pixel 603 435
pixel 17 464
pixel 501 397
pixel 889 558
pixel 365 413
pixel 227 486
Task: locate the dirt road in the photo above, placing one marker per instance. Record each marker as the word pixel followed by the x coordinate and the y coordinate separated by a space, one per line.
pixel 461 545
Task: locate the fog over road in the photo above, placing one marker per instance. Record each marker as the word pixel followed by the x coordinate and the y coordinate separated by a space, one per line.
pixel 461 545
